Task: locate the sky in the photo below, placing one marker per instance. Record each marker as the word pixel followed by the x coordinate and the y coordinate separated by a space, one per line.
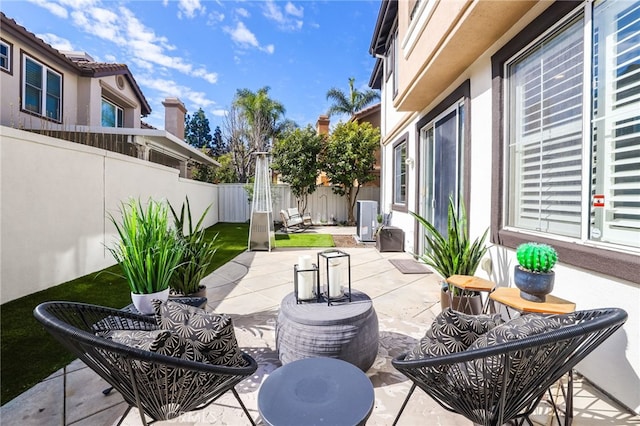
pixel 203 51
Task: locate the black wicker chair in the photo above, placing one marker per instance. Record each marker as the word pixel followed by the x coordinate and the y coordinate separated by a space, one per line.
pixel 505 382
pixel 174 387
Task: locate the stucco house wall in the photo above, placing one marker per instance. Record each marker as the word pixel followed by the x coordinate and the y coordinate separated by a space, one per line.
pixel 401 116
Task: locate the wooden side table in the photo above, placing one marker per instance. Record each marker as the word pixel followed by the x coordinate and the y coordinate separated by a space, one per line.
pixel 510 297
pixel 469 283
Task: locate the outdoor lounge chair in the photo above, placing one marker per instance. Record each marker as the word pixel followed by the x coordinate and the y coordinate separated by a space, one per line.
pixel 293 221
pixel 160 386
pixel 503 382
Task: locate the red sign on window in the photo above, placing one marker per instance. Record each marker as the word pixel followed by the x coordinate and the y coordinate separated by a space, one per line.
pixel 598 200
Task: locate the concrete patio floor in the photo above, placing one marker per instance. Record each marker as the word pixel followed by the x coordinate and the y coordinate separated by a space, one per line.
pixel 250 289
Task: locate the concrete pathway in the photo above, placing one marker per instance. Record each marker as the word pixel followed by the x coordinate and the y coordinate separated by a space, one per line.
pixel 250 289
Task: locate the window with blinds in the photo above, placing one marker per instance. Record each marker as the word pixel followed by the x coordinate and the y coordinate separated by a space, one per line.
pixel 42 90
pixel 550 190
pixel 615 210
pixel 545 87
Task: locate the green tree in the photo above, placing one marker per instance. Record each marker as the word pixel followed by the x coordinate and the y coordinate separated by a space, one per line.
pixel 197 131
pixel 295 156
pixel 352 102
pixel 226 172
pixel 348 160
pixel 218 146
pixel 263 116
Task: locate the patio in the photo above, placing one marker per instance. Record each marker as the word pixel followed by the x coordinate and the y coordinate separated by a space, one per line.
pixel 250 288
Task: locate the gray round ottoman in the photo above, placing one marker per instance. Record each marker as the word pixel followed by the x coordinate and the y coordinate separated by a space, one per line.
pixel 347 331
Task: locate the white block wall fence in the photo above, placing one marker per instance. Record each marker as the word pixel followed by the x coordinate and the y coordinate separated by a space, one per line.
pixel 55 198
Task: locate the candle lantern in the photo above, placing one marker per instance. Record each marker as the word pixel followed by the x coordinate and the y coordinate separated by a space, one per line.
pixel 306 285
pixel 334 274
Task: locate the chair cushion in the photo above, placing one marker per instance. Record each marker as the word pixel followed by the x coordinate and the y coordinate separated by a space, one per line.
pixel 212 334
pixel 163 342
pixel 483 377
pixel 453 331
pixel 521 327
pixel 293 212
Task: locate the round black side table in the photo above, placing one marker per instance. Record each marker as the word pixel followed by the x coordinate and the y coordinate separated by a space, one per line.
pixel 316 391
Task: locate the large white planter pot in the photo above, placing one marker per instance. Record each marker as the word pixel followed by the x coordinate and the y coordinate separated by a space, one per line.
pixel 142 302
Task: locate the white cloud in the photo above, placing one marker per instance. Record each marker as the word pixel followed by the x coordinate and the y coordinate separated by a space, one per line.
pixel 211 77
pixel 54 8
pixel 79 4
pixel 242 36
pixel 291 9
pixel 286 21
pixel 243 12
pixel 215 17
pixel 219 112
pixel 56 42
pixel 269 48
pixel 169 88
pixel 273 12
pixel 144 47
pixel 189 8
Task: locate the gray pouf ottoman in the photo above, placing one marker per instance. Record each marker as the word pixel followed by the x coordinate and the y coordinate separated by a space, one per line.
pixel 347 331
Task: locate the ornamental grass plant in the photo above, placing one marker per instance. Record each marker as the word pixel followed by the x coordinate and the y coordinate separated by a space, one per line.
pixel 197 250
pixel 453 253
pixel 148 251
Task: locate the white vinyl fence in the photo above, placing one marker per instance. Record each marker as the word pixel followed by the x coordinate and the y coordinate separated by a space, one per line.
pixel 323 204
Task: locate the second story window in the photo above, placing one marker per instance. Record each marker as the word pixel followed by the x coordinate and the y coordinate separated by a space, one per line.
pixel 112 115
pixel 42 90
pixel 5 57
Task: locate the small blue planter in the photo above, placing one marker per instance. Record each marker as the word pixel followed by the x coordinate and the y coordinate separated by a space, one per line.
pixel 534 286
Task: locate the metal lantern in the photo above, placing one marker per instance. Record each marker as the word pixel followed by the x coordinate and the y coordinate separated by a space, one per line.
pixel 306 285
pixel 334 273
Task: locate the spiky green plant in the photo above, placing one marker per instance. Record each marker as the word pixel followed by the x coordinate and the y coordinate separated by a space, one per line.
pixel 453 253
pixel 198 251
pixel 148 250
pixel 536 257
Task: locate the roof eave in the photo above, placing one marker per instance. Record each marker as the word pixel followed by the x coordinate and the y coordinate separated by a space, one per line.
pixel 386 18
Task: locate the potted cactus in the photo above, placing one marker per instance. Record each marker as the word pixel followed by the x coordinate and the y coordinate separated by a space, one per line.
pixel 534 275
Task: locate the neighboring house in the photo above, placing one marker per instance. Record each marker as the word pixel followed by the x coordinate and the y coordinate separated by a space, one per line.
pixel 529 112
pixel 68 95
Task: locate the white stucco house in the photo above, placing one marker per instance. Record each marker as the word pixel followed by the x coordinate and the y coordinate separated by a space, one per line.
pixel 529 113
pixel 69 96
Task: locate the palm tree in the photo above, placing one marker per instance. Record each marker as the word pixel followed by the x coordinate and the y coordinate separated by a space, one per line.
pixel 352 102
pixel 261 113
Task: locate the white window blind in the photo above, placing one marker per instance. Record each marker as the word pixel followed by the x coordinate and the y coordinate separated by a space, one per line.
pixel 615 218
pixel 545 101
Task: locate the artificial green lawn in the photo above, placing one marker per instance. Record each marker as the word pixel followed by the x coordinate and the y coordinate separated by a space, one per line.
pixel 304 240
pixel 29 354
